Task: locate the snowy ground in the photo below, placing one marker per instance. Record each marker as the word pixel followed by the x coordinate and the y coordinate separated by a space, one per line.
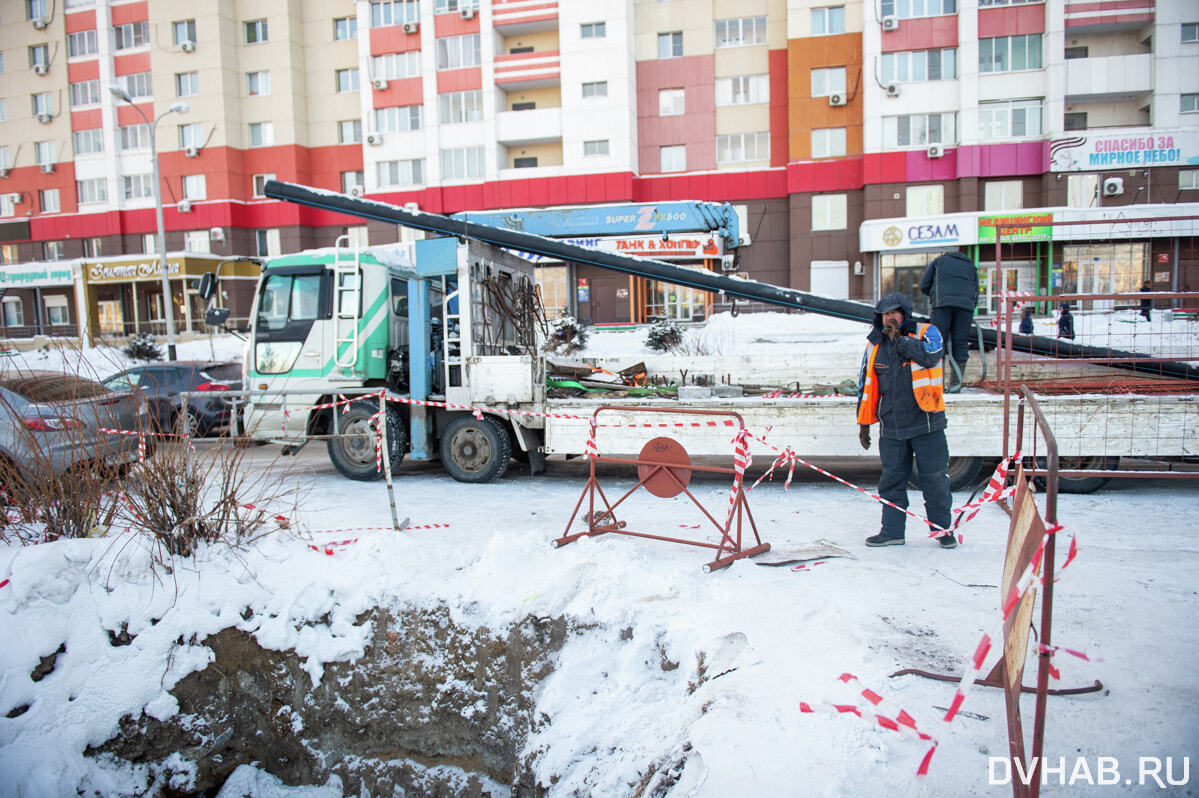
pixel 769 637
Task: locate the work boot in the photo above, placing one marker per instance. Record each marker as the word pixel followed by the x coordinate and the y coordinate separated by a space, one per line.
pixel 948 541
pixel 883 540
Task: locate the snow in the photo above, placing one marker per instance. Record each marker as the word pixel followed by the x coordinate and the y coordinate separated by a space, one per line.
pixel 628 691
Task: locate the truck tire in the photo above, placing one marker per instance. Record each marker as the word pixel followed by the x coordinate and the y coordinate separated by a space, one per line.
pixel 475 450
pixel 964 473
pixel 1079 484
pixel 354 454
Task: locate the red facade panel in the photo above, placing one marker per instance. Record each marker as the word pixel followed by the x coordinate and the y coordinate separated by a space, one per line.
pixel 88 119
pixel 1011 20
pixel 77 21
pixel 128 115
pixel 83 70
pixel 407 91
pixel 925 33
pixel 131 64
pixel 695 129
pixel 450 80
pixel 130 12
pixel 393 39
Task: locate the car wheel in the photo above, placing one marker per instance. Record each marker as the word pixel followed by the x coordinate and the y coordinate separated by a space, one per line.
pixel 353 452
pixel 1079 484
pixel 474 449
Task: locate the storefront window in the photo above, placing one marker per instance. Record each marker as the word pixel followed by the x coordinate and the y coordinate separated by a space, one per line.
pixel 901 271
pixel 1116 267
pixel 553 283
pixel 675 302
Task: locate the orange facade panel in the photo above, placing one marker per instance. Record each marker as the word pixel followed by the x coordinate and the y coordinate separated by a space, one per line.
pixel 393 39
pixel 404 91
pixel 131 64
pixel 78 21
pixel 130 12
pixel 83 70
pixel 128 115
pixel 469 79
pixel 928 33
pixel 87 119
pixel 806 113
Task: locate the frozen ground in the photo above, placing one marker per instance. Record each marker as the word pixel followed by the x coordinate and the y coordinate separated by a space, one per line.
pixel 768 637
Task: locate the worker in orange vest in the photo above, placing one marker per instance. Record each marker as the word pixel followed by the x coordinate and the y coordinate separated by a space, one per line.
pixel 901 388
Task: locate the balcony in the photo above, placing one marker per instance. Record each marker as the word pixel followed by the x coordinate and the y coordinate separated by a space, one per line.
pixel 537 126
pixel 1084 16
pixel 1109 78
pixel 534 70
pixel 515 17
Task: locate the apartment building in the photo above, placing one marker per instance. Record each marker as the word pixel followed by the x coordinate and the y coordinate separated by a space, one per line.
pixel 830 127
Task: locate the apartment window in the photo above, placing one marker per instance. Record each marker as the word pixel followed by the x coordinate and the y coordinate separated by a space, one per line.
pixel 670 45
pixel 139 84
pixel 92 248
pixel 454 6
pixel 741 32
pixel 197 241
pixel 528 162
pixel 183 30
pixel 267 242
pixel 671 102
pixel 738 147
pixel 57 311
pixel 45 152
pixel 351 179
pixel 925 201
pixel 258 83
pixel 85 92
pixel 349 131
pixel 910 9
pixel 262 134
pixel 830 212
pixel 36 9
pixel 1076 121
pixel 1082 191
pixel 53 250
pixel 828 20
pixel 460 106
pixel 597 88
pixel 8 252
pixel 986 3
pixel 134 137
pixel 7 208
pixel 917 65
pixel 346 28
pixel 82 43
pixel 191 135
pixel 672 158
pixel 524 106
pixel 6 157
pixel 256 31
pixel 138 186
pixel 3 110
pixel 593 30
pixel 187 84
pixel 394 12
pixel 94 190
pixel 134 34
pixel 919 130
pixel 828 81
pixel 742 90
pixel 41 103
pixel 1073 53
pixel 1 63
pixel 195 187
pixel 88 142
pixel 14 310
pixel 393 66
pixel 149 243
pixel 1003 195
pixel 259 181
pixel 1190 32
pixel 827 142
pixel 347 80
pixel 455 52
pixel 595 148
pixel 398 118
pixel 1188 103
pixel 48 200
pixel 39 55
pixel 1009 119
pixel 1009 53
pixel 1188 179
pixel 462 163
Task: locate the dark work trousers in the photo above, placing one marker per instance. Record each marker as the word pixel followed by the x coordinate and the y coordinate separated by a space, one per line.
pixel 932 459
pixel 954 324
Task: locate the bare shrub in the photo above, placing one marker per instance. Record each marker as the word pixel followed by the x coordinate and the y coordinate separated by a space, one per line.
pixel 566 336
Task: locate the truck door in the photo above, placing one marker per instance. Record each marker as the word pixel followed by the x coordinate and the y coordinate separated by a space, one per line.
pixel 290 351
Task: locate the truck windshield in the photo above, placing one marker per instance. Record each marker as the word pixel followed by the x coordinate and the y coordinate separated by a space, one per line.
pixel 287 298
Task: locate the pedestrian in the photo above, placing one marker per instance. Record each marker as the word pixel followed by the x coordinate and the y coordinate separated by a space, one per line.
pixel 900 387
pixel 951 284
pixel 1065 323
pixel 1146 304
pixel 1026 321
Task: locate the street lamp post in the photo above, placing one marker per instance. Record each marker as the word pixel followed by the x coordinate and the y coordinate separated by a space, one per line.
pixel 167 306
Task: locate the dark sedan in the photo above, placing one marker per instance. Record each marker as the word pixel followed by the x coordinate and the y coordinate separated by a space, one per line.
pixel 165 383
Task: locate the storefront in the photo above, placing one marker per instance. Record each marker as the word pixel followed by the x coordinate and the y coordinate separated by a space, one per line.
pixel 39 300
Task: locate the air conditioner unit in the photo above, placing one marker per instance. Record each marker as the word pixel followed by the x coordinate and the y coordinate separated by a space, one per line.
pixel 467 13
pixel 892 89
pixel 41 69
pixel 184 206
pixel 890 22
pixel 217 234
pixel 41 23
pixel 380 84
pixel 411 27
pixel 836 99
pixel 858 268
pixel 374 139
pixel 191 152
pixel 47 168
pixel 935 151
pixel 15 199
pixel 357 191
pixel 187 46
pixel 44 118
pixel 1113 186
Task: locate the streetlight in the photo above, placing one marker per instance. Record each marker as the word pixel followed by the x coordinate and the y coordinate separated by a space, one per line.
pixel 180 108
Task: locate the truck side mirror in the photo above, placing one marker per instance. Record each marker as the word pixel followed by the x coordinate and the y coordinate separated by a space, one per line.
pixel 205 286
pixel 216 317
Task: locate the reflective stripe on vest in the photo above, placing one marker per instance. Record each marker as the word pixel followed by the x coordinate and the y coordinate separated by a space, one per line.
pixel 927 386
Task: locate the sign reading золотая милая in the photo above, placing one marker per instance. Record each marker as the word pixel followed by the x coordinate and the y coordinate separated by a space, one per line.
pixel 1124 148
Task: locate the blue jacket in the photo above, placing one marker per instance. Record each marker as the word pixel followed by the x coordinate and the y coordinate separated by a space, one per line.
pixel 951 281
pixel 899 416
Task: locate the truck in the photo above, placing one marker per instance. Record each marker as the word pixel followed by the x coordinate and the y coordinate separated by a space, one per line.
pixel 447 328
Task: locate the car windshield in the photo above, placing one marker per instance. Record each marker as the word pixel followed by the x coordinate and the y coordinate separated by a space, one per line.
pixel 41 388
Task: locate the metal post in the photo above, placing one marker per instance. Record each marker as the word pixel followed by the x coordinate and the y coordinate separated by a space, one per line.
pixel 391 494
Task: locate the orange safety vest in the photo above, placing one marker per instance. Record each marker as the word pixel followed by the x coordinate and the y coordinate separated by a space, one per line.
pixel 926 385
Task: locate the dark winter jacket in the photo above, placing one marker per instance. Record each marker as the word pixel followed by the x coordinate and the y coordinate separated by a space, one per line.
pixel 1026 322
pixel 900 417
pixel 951 281
pixel 1065 324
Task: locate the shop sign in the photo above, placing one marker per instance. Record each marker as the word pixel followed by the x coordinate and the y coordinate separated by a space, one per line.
pixel 953 230
pixel 1128 148
pixel 104 272
pixel 582 290
pixel 1031 227
pixel 35 276
pixel 675 247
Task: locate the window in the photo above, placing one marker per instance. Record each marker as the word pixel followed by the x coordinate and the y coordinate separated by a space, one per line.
pixel 1082 191
pixel 260 180
pixel 349 131
pixel 673 158
pixel 396 65
pixel 740 32
pixel 828 81
pixel 191 135
pixel 1003 195
pixel 183 30
pixel 462 163
pixel 455 52
pixel 36 9
pixel 53 250
pixel 916 65
pixel 39 55
pixel 7 208
pixel 1009 119
pixel 45 152
pixel 919 130
pixel 1188 179
pixel 352 179
pixel 267 242
pixel 139 84
pixel 397 119
pixel 528 105
pixel 1076 121
pixel 1073 53
pixel 910 9
pixel 134 34
pixel 597 147
pixel 258 83
pixel 346 28
pixel 593 30
pixel 737 147
pixel 8 252
pixel 134 137
pixel 1190 32
pixel 85 92
pixel 195 187
pixel 14 311
pixel 1188 103
pixel 48 200
pixel 828 20
pixel 671 102
pixel 452 6
pixel 347 80
pixel 262 134
pixel 41 104
pixel 6 157
pixel 394 12
pixel 187 84
pixel 460 106
pixel 82 43
pixel 742 90
pixel 986 3
pixel 94 190
pixel 197 241
pixel 528 162
pixel 88 142
pixel 670 45
pixel 925 201
pixel 1009 53
pixel 92 248
pixel 829 212
pixel 57 310
pixel 138 186
pixel 828 142
pixel 255 33
pixel 597 88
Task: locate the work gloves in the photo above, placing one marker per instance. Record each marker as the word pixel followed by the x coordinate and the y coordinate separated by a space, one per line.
pixel 892 333
pixel 864 435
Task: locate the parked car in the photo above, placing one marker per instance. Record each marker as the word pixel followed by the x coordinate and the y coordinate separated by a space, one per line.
pixel 50 422
pixel 165 383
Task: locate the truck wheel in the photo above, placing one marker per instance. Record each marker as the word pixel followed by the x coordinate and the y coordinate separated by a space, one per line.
pixel 1079 484
pixel 475 450
pixel 963 473
pixel 353 454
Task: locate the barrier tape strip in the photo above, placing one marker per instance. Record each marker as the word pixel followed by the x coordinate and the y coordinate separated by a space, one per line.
pixel 332 547
pixel 5 582
pixel 742 460
pixel 804 566
pixel 994 490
